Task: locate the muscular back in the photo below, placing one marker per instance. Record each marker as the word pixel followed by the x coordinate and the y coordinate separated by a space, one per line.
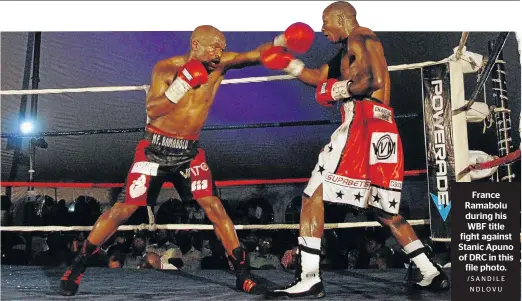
pixel 364 61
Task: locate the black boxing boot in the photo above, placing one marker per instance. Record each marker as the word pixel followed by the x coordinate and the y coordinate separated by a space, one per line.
pixel 308 283
pixel 73 275
pixel 244 281
pixel 432 276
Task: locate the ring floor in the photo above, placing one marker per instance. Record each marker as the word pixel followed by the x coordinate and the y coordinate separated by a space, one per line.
pixel 104 284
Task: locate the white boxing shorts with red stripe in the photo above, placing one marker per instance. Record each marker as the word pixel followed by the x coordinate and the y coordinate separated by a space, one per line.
pixel 363 164
pixel 161 157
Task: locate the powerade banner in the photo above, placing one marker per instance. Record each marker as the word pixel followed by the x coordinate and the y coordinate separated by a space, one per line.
pixel 439 146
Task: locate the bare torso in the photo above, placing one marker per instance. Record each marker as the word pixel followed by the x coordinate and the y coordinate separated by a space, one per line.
pixel 352 67
pixel 189 115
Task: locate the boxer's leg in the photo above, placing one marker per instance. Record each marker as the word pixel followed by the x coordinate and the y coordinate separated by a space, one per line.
pixel 432 275
pixel 223 225
pixel 139 186
pixel 386 174
pixel 308 282
pixel 202 189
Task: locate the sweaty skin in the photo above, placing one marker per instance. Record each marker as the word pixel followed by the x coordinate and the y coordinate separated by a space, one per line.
pixel 363 63
pixel 187 117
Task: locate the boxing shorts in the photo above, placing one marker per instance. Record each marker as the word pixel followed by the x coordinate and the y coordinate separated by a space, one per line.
pixel 161 157
pixel 363 163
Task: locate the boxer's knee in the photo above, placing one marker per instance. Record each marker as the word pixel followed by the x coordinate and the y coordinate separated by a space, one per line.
pixel 315 198
pixel 213 208
pixel 388 219
pixel 122 211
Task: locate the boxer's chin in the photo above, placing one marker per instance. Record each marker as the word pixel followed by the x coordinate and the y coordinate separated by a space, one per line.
pixel 208 67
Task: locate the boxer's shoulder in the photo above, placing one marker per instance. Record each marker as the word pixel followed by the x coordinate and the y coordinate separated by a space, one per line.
pixel 169 65
pixel 362 33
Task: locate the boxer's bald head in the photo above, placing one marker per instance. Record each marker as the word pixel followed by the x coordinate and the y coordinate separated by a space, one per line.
pixel 339 19
pixel 341 8
pixel 207 33
pixel 207 44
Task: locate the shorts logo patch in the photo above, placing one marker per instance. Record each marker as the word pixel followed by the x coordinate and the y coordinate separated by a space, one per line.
pixel 199 185
pixel 195 169
pixel 138 187
pixel 382 113
pixel 185 173
pixel 146 168
pixel 383 148
pixel 396 184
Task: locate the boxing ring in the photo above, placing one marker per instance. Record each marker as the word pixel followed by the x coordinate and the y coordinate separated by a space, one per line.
pixel 38 283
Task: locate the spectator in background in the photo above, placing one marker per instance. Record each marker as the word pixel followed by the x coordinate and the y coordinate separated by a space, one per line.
pixel 158 254
pixel 5 206
pixel 216 260
pixel 262 258
pixel 171 211
pixel 60 214
pixel 137 250
pixel 188 241
pixel 116 256
pixel 44 205
pixel 260 211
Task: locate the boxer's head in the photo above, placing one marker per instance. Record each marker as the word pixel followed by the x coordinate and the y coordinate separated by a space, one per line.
pixel 339 20
pixel 207 44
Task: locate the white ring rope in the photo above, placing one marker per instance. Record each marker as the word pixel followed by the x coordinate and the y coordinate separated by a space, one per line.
pixel 152 227
pixel 224 82
pixel 462 44
pixel 448 239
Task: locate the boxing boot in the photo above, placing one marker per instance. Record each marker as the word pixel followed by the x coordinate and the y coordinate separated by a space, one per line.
pixel 308 282
pixel 70 280
pixel 432 276
pixel 244 281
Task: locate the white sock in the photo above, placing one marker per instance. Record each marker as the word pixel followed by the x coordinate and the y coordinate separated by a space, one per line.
pixel 309 261
pixel 311 242
pixel 421 260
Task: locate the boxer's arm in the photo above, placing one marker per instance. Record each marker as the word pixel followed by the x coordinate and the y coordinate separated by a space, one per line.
pixel 314 77
pixel 234 60
pixel 372 66
pixel 157 103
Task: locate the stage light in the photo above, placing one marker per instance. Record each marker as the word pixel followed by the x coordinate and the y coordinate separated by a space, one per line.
pixel 26 127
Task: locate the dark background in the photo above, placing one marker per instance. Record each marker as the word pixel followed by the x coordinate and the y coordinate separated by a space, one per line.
pixel 84 59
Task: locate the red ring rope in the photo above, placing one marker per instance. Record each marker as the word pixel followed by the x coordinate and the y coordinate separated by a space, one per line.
pixel 169 185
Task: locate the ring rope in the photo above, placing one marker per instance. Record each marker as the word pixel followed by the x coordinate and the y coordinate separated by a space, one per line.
pixel 224 82
pixel 206 128
pixel 484 75
pixel 493 163
pixel 219 184
pixel 462 44
pixel 152 227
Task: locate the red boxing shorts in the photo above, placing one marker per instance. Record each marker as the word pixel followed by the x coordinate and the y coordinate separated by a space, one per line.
pixel 160 158
pixel 363 164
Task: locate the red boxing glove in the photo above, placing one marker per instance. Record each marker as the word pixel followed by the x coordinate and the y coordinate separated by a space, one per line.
pixel 276 58
pixel 332 90
pixel 191 75
pixel 298 37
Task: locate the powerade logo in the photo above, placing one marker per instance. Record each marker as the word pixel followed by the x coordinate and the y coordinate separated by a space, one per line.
pixel 441 199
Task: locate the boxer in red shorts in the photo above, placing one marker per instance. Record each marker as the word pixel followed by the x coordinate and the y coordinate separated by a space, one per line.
pixel 178 102
pixel 363 163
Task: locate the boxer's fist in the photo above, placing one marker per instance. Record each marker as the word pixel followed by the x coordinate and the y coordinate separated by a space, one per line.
pixel 194 73
pixel 298 37
pixel 276 58
pixel 331 90
pixel 191 75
